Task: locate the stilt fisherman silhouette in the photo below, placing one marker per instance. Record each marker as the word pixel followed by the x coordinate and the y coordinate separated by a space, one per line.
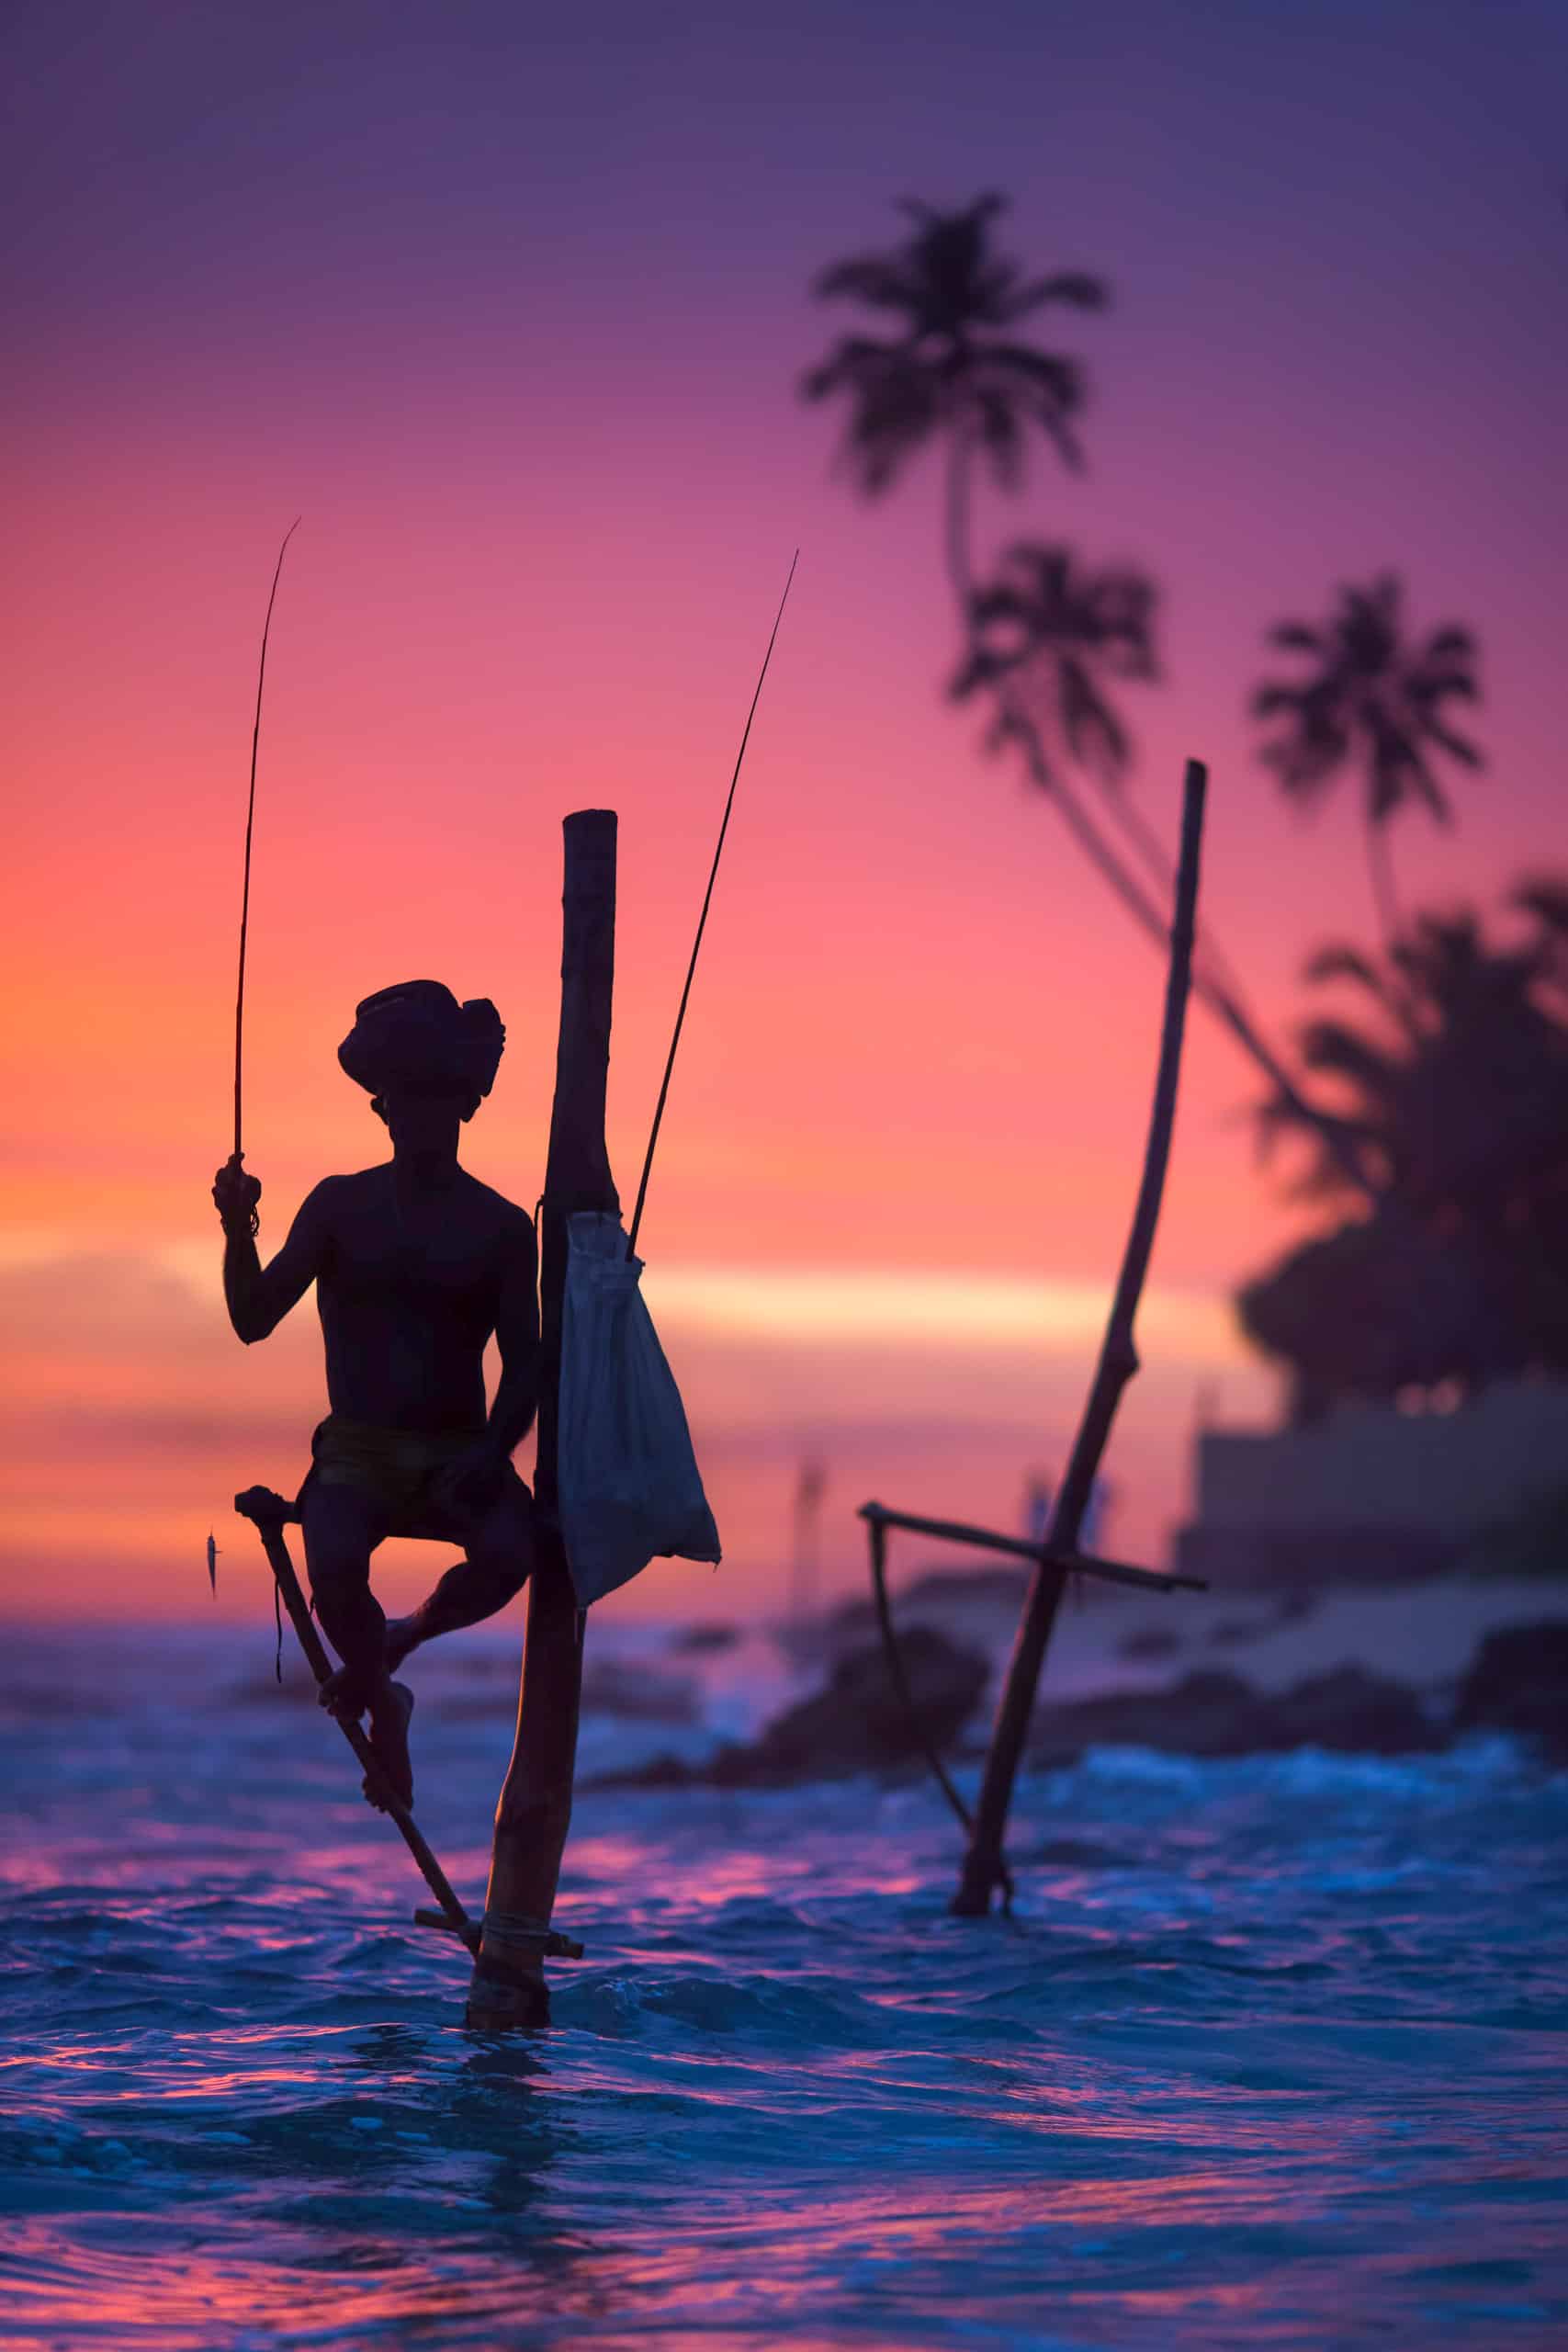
pixel 416 1264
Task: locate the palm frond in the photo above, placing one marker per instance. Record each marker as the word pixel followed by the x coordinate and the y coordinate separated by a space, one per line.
pixel 1450 644
pixel 1001 435
pixel 896 405
pixel 1095 736
pixel 1545 897
pixel 1295 637
pixel 880 280
pixel 1268 700
pixel 1426 687
pixel 1458 747
pixel 1337 961
pixel 1074 286
pixel 1334 1050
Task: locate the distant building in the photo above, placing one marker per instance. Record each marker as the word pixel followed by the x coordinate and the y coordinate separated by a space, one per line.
pixel 1371 1494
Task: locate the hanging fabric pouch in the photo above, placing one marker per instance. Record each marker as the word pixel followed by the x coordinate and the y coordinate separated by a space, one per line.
pixel 630 1489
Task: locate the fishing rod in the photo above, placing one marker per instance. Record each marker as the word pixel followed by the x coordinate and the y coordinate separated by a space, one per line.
pixel 702 920
pixel 250 825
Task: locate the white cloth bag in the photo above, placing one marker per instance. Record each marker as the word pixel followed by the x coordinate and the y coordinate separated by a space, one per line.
pixel 628 1485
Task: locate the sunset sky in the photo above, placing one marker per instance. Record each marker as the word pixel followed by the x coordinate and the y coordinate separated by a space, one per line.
pixel 511 306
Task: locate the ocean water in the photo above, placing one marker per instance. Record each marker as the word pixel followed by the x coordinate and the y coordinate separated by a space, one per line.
pixel 1272 2052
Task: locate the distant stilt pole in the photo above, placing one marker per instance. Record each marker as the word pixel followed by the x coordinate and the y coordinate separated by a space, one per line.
pixel 535 1810
pixel 810 1483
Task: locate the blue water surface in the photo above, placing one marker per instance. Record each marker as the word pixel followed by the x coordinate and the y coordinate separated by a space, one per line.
pixel 1271 2054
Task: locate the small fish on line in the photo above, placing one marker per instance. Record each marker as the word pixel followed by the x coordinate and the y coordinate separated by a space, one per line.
pixel 212 1563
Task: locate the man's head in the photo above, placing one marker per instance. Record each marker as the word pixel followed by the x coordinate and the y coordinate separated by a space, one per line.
pixel 426 1061
pixel 424 1115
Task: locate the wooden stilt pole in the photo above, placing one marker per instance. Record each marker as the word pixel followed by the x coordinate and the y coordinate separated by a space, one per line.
pixel 535 1809
pixel 983 1868
pixel 270 1515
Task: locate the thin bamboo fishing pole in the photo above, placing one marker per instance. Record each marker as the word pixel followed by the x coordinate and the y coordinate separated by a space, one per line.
pixel 250 826
pixel 702 920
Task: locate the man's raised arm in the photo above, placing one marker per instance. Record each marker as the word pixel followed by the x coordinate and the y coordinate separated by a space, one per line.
pixel 259 1297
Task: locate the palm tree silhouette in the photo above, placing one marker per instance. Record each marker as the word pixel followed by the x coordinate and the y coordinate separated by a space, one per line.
pixel 1057 634
pixel 954 370
pixel 1456 1091
pixel 1461 1087
pixel 1372 704
pixel 956 373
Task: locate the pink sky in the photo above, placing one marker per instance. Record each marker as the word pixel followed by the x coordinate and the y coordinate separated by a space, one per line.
pixel 516 330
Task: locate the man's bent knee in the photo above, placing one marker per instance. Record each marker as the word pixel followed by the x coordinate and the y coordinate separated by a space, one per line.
pixel 503 1569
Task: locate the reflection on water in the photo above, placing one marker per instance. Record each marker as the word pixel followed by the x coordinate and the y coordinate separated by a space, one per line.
pixel 1271 2056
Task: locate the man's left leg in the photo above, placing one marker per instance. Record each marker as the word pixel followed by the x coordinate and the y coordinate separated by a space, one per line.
pixel 499 1544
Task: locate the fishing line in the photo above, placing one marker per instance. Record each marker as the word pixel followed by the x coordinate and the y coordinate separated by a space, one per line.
pixel 702 920
pixel 250 826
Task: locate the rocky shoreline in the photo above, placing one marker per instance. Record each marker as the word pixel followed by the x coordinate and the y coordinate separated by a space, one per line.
pixel 1517 1682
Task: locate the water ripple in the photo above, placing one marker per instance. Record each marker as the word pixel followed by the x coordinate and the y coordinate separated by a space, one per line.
pixel 1270 2055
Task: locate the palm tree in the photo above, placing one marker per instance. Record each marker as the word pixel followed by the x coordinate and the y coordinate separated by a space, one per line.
pixel 1544 898
pixel 954 370
pixel 1374 704
pixel 1456 1095
pixel 956 373
pixel 1463 1080
pixel 1056 634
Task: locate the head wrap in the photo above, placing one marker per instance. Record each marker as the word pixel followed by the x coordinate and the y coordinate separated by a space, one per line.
pixel 418 1034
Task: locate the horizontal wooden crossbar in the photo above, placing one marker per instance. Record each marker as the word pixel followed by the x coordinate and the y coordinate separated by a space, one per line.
pixel 552 1943
pixel 1078 1564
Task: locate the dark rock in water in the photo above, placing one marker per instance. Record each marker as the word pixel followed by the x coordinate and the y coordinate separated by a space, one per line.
pixel 856 1723
pixel 1232 1632
pixel 1152 1643
pixel 697 1641
pixel 1206 1713
pixel 1354 1712
pixel 638 1693
pixel 662 1771
pixel 991 1588
pixel 949 1594
pixel 631 1689
pixel 1517 1683
pixel 1217 1714
pixel 1078 1854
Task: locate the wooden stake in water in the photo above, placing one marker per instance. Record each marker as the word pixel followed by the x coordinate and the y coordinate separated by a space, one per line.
pixel 534 1813
pixel 983 1868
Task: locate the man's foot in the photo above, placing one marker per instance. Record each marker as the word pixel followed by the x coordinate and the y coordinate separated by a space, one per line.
pixel 404 1635
pixel 389 1713
pixel 343 1693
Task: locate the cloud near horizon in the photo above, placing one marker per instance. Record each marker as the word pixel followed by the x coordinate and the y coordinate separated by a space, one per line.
pixel 133 1414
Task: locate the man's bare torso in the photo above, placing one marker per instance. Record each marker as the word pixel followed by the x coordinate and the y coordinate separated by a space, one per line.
pixel 409 1292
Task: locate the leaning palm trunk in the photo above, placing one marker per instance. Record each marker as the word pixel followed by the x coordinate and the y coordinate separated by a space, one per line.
pixel 1218 993
pixel 1379 867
